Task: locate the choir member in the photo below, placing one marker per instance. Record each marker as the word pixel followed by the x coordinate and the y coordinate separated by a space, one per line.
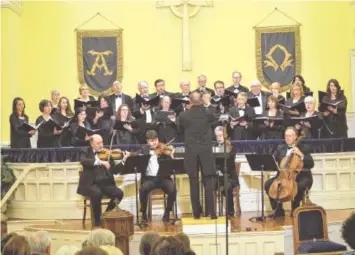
pixel 276 90
pixel 241 129
pixel 185 93
pixel 55 96
pixel 220 93
pixel 63 114
pixel 166 126
pixel 298 78
pixel 102 119
pixel 309 129
pixel 206 98
pixel 126 134
pixel 20 138
pixel 143 89
pixel 160 89
pixel 272 129
pixel 297 97
pixel 85 94
pixel 78 128
pixel 237 87
pixel 118 97
pixel 335 112
pixel 255 91
pixel 202 83
pixel 47 132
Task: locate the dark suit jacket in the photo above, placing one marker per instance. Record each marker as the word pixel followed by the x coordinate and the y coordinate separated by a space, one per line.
pixel 240 132
pixel 264 96
pixel 88 175
pixel 126 99
pixel 197 127
pixel 165 93
pixel 241 88
pixel 211 91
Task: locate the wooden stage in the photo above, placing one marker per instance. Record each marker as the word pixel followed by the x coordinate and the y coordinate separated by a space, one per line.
pixel 238 224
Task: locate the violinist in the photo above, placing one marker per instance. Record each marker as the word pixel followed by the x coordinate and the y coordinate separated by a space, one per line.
pixel 97 178
pixel 232 168
pixel 150 178
pixel 304 179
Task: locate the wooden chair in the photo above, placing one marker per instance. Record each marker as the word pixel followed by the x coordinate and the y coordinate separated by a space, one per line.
pixel 310 232
pixel 155 195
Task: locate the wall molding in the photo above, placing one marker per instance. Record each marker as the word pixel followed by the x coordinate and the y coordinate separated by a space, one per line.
pixel 14 5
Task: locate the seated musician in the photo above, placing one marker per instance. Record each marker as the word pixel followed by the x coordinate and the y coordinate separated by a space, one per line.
pixel 241 130
pixel 305 126
pixel 335 117
pixel 270 129
pixel 150 179
pixel 232 168
pixel 304 178
pixel 97 178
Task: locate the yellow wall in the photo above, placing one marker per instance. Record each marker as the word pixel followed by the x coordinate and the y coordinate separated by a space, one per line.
pixel 39 47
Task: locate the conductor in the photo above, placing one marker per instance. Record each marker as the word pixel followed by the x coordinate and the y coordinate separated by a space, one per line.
pixel 198 152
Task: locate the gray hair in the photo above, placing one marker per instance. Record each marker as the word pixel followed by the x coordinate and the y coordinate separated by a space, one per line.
pixel 67 250
pixel 218 129
pixel 111 250
pixel 255 82
pixel 140 83
pixel 99 237
pixel 310 99
pixel 201 76
pixel 147 241
pixel 39 242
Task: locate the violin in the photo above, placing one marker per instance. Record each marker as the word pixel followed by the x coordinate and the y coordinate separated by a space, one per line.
pixel 106 154
pixel 284 187
pixel 164 149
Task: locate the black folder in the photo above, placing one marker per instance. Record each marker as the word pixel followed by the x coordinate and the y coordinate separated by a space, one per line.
pixel 168 167
pixel 300 107
pixel 231 93
pixel 28 127
pixel 253 102
pixel 154 101
pixel 163 115
pixel 78 103
pixel 176 102
pixel 65 124
pixel 324 105
pixel 119 124
pixel 261 120
pixel 135 164
pixel 240 119
pixel 89 131
pixel 313 120
pixel 224 100
pixel 107 111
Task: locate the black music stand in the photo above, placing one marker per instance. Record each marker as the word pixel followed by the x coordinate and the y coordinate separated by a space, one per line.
pixel 170 167
pixel 262 162
pixel 134 165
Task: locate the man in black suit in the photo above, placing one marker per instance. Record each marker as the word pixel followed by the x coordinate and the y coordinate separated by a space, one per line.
pixel 160 89
pixel 202 83
pixel 97 179
pixel 151 180
pixel 118 98
pixel 261 95
pixel 198 151
pixel 304 178
pixel 236 87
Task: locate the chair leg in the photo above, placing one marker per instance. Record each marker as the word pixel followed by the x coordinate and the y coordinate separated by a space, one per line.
pixel 237 208
pixel 150 207
pixel 84 214
pixel 92 218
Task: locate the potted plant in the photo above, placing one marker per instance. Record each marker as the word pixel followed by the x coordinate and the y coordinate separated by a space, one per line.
pixel 7 180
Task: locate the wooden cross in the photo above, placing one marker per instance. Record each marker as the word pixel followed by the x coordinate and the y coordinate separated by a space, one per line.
pixel 181 10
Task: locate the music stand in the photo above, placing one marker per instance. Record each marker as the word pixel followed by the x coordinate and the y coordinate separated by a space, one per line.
pixel 262 162
pixel 170 167
pixel 133 165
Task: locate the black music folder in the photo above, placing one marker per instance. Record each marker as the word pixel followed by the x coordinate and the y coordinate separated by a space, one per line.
pixel 154 101
pixel 223 100
pixel 135 164
pixel 163 115
pixel 60 127
pixel 78 103
pixel 168 167
pixel 261 120
pixel 253 102
pixel 89 131
pixel 119 124
pixel 314 120
pixel 107 111
pixel 324 105
pixel 176 102
pixel 240 119
pixel 300 107
pixel 231 93
pixel 28 127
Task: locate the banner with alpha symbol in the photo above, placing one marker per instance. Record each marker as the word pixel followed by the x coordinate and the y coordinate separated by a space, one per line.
pixel 100 58
pixel 278 54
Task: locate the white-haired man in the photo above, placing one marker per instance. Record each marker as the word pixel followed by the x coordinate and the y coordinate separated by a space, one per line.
pixel 202 83
pixel 118 98
pixel 40 243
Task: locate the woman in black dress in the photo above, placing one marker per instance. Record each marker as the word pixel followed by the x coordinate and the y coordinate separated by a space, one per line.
pixel 63 114
pixel 79 128
pixel 271 129
pixel 127 134
pixel 297 96
pixel 85 94
pixel 166 127
pixel 335 117
pixel 103 118
pixel 47 132
pixel 305 126
pixel 298 78
pixel 20 138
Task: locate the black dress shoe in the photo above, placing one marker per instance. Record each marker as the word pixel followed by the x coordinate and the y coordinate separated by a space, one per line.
pixel 166 216
pixel 144 218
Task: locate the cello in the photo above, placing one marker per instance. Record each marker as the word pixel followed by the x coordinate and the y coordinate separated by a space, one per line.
pixel 284 187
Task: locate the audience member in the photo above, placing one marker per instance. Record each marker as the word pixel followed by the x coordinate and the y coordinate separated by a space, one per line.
pixel 111 250
pixel 6 238
pixel 348 231
pixel 67 250
pixel 16 245
pixel 40 243
pixel 92 251
pixel 185 240
pixel 167 245
pixel 100 236
pixel 147 241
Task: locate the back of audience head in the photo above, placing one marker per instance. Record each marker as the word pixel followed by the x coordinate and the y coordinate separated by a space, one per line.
pixel 111 250
pixel 91 250
pixel 167 245
pixel 99 237
pixel 7 238
pixel 185 240
pixel 147 241
pixel 67 250
pixel 40 243
pixel 348 231
pixel 16 245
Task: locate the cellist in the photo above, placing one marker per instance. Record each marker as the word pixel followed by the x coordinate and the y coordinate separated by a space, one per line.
pixel 304 179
